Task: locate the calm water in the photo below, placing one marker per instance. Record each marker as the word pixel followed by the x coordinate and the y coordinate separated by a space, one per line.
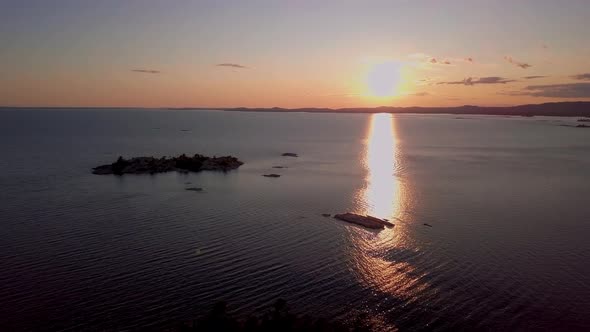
pixel 507 198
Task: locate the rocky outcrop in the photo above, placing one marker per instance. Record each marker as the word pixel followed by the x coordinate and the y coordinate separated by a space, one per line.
pixel 365 221
pixel 290 154
pixel 183 163
pixel 272 175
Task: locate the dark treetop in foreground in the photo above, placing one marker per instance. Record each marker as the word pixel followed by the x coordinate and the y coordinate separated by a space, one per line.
pixel 151 165
pixel 277 319
pixel 581 108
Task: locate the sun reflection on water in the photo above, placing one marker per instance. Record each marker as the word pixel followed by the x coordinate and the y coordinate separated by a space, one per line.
pixel 384 195
pixel 381 194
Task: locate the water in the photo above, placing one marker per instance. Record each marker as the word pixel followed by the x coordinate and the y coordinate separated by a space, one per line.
pixel 507 199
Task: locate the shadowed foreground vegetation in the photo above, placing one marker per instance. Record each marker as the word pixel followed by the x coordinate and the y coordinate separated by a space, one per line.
pixel 278 318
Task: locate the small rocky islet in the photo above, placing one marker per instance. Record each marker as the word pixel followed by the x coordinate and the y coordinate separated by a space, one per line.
pixel 182 163
pixel 271 175
pixel 365 221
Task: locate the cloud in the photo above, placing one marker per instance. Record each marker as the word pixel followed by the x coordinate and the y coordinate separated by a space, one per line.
pixel 146 71
pixel 232 65
pixel 522 65
pixel 469 59
pixel 533 77
pixel 482 80
pixel 420 94
pixel 440 62
pixel 571 90
pixel 581 77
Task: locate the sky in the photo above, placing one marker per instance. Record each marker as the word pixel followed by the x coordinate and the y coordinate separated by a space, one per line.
pixel 156 53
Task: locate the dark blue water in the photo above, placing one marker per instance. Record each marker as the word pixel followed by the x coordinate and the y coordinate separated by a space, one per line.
pixel 507 199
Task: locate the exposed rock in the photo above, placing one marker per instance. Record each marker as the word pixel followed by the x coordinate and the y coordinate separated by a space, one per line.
pixel 272 175
pixel 365 221
pixel 582 126
pixel 326 215
pixel 280 167
pixel 290 154
pixel 194 189
pixel 428 225
pixel 151 165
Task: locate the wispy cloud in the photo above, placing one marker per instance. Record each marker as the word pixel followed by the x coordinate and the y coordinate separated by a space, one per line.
pixel 581 77
pixel 571 90
pixel 146 71
pixel 420 94
pixel 232 65
pixel 438 61
pixel 533 77
pixel 522 65
pixel 482 80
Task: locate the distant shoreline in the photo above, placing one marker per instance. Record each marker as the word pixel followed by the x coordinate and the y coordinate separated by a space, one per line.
pixel 565 109
pixel 569 109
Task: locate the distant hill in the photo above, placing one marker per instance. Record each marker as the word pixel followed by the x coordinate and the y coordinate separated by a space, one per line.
pixel 576 108
pixel 581 108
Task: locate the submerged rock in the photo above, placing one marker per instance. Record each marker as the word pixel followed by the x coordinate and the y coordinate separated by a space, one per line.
pixel 194 189
pixel 582 126
pixel 365 221
pixel 427 225
pixel 290 154
pixel 272 175
pixel 280 167
pixel 182 163
pixel 326 215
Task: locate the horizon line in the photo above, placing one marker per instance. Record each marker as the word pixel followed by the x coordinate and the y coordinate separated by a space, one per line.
pixel 284 108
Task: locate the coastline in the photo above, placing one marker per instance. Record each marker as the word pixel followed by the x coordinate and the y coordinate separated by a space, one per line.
pixel 559 109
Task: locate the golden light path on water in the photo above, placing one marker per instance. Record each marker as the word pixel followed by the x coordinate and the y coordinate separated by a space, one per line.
pixel 381 194
pixel 385 195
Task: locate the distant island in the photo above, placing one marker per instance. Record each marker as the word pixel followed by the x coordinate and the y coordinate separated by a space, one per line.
pixel 182 163
pixel 573 109
pixel 579 108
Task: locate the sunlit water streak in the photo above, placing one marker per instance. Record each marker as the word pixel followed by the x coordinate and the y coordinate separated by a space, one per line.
pixel 384 196
pixel 381 195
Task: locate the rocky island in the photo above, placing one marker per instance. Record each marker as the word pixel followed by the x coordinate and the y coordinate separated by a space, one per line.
pixel 182 163
pixel 365 221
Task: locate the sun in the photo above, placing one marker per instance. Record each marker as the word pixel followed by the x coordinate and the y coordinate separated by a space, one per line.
pixel 384 79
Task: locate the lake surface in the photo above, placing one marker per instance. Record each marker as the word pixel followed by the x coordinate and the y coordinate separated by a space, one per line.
pixel 508 200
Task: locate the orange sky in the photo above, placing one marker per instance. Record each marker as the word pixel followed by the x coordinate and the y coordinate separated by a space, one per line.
pixel 308 54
